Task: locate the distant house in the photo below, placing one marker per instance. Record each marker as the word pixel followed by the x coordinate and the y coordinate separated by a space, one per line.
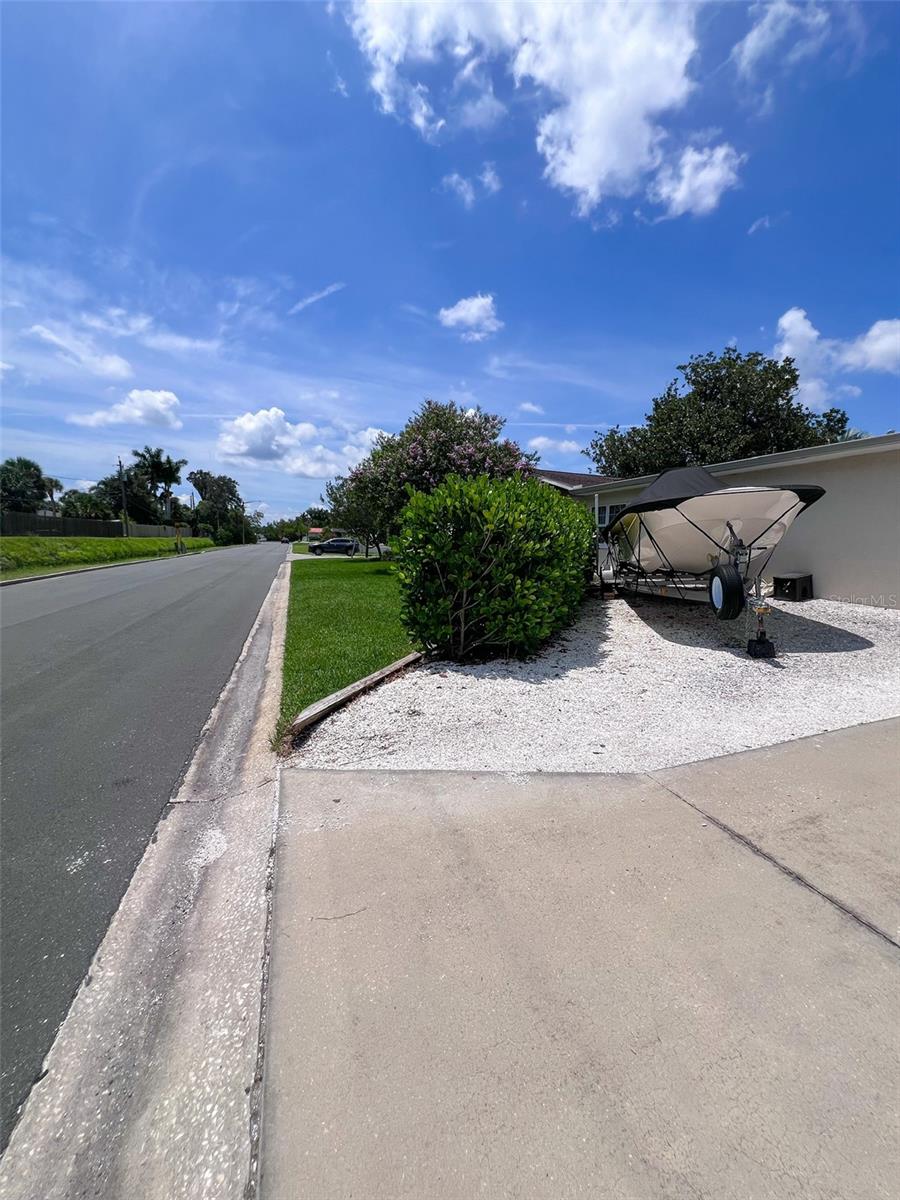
pixel 849 541
pixel 315 531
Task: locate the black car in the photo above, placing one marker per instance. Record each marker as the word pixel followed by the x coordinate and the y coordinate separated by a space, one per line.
pixel 348 546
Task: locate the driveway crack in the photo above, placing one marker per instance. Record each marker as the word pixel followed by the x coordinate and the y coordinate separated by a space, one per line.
pixel 795 876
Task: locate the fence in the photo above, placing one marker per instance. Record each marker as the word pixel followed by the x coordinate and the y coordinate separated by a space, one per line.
pixel 13 524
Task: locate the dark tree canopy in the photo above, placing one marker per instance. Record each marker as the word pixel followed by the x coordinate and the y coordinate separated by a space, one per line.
pixel 730 406
pixel 23 487
pixel 140 503
pixel 74 503
pixel 316 516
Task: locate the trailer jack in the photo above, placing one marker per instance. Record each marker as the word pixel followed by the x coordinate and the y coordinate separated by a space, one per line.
pixel 760 646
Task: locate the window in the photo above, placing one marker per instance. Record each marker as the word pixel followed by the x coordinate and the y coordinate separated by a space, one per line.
pixel 614 510
pixel 601 516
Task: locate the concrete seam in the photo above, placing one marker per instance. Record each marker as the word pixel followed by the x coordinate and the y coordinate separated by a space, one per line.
pixel 794 876
pixel 251 1188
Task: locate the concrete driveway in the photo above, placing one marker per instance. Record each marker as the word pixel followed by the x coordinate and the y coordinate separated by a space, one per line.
pixel 674 985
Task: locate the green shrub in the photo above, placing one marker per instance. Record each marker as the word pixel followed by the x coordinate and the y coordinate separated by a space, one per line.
pixel 17 553
pixel 491 566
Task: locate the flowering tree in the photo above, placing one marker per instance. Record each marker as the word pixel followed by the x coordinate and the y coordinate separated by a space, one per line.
pixel 438 441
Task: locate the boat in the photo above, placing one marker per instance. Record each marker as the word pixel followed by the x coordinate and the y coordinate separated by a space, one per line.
pixel 688 536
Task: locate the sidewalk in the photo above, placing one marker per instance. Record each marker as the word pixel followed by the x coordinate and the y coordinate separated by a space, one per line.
pixel 631 987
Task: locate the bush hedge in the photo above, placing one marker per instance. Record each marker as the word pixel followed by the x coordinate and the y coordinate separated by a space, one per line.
pixel 491 566
pixel 17 553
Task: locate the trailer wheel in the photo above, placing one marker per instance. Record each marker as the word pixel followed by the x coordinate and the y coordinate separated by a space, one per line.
pixel 726 592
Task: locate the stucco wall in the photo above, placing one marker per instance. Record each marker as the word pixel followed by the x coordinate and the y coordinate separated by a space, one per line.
pixel 849 541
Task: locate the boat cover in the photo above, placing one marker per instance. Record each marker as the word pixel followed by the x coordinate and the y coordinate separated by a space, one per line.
pixel 672 487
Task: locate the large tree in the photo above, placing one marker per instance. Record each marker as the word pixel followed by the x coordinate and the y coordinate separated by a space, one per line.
pixel 316 516
pixel 140 503
pixel 357 505
pixel 438 440
pixel 23 486
pixel 729 406
pixel 74 503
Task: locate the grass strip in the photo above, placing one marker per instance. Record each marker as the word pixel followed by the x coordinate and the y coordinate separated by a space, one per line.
pixel 40 555
pixel 343 623
pixel 300 548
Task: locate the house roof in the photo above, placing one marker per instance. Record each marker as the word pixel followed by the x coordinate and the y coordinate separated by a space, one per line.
pixel 868 445
pixel 570 479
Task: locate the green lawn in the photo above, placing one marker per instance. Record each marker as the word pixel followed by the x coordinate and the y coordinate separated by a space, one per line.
pixel 40 555
pixel 300 548
pixel 343 624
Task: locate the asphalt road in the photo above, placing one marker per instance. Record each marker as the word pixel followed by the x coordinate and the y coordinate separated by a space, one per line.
pixel 107 680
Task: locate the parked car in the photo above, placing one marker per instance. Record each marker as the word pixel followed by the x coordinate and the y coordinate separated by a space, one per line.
pixel 348 546
pixel 285 541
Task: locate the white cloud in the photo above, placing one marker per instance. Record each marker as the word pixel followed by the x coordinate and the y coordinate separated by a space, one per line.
pixel 527 406
pixel 465 188
pixel 819 359
pixel 461 186
pixel 481 113
pixel 876 350
pixel 267 436
pixel 551 446
pixel 490 180
pixel 5 366
pixel 117 321
pixel 774 23
pixel 606 75
pixel 140 407
pixel 315 297
pixel 82 352
pixel 263 435
pixel 758 224
pixel 340 86
pixel 176 343
pixel 475 316
pixel 696 182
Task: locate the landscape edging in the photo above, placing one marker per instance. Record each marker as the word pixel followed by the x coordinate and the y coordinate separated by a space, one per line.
pixel 313 713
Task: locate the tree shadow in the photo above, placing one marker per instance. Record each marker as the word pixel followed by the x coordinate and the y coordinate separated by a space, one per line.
pixel 581 646
pixel 690 623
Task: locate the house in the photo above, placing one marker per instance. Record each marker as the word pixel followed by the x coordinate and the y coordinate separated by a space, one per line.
pixel 849 541
pixel 567 481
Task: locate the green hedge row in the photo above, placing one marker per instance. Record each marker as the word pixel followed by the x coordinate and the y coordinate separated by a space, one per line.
pixel 19 552
pixel 492 567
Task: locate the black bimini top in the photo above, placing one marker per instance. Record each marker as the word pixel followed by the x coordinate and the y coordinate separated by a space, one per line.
pixel 670 488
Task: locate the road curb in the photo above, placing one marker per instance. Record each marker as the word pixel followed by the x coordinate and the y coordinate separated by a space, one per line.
pixel 314 713
pixel 131 562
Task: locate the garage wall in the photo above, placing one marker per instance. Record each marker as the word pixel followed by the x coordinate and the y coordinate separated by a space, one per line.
pixel 849 541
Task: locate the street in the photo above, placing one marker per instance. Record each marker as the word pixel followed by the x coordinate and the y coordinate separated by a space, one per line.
pixel 107 680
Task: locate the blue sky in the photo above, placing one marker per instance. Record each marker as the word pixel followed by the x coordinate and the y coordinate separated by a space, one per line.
pixel 258 234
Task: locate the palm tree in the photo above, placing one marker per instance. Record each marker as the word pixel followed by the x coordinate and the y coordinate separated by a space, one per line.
pixel 170 476
pixel 160 471
pixel 148 463
pixel 51 487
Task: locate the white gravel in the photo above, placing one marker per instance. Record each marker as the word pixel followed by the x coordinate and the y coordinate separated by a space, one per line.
pixel 634 686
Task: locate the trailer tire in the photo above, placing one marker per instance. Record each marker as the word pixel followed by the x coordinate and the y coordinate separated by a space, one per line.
pixel 726 592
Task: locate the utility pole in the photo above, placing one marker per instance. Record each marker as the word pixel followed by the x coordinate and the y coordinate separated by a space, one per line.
pixel 124 506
